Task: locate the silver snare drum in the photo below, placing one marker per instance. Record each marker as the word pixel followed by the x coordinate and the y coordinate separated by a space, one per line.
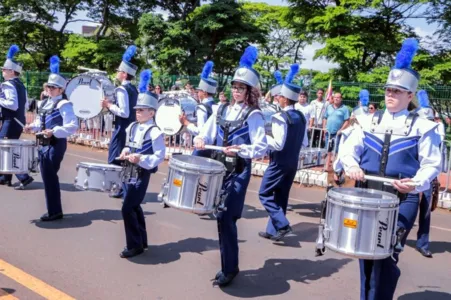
pixel 194 184
pixel 361 223
pixel 18 156
pixel 98 177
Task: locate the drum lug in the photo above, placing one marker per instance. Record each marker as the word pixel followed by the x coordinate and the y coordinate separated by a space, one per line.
pixel 103 185
pixel 77 167
pixel 164 191
pixel 85 184
pixel 75 180
pixel 87 172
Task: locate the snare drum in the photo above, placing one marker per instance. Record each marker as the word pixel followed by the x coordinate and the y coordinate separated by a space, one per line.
pixel 98 177
pixel 86 91
pixel 18 157
pixel 361 223
pixel 170 107
pixel 194 184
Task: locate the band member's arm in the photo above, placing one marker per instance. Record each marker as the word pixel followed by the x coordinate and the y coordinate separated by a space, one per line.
pixel 351 150
pixel 70 122
pixel 201 120
pixel 122 108
pixel 8 97
pixel 208 131
pixel 279 129
pixel 159 150
pixel 259 145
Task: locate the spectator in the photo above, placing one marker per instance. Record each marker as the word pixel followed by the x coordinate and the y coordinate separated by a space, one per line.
pixel 318 109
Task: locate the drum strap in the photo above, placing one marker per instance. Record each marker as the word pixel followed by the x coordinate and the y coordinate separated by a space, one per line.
pixel 137 145
pixel 207 108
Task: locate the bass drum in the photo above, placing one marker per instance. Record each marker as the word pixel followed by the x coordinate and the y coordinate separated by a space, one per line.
pixel 170 107
pixel 268 110
pixel 86 91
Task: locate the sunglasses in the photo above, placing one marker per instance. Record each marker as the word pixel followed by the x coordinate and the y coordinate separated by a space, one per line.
pixel 52 87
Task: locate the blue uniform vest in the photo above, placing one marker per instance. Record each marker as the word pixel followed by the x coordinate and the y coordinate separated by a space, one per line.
pixel 147 146
pixel 22 100
pixel 208 107
pixel 289 155
pixel 52 117
pixel 132 93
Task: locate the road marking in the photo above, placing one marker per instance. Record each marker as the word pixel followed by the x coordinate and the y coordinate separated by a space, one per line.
pixel 4 295
pixel 32 283
pixel 249 190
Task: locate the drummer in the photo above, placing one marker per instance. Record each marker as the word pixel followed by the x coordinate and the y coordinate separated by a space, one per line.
pixel 395 144
pixel 244 126
pixel 145 150
pixel 125 97
pixel 205 92
pixel 288 128
pixel 57 121
pixel 13 102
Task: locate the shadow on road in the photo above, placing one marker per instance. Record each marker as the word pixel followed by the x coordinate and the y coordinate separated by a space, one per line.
pixel 83 219
pixel 435 247
pixel 426 295
pixel 249 212
pixel 151 198
pixel 272 279
pixel 163 254
pixel 302 232
pixel 67 187
pixel 8 292
pixel 309 210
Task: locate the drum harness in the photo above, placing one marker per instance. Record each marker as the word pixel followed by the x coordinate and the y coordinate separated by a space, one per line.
pixel 130 171
pixel 400 232
pixel 41 139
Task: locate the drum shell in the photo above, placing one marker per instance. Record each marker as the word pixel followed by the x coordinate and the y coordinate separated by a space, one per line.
pixel 361 228
pixel 98 177
pixel 194 189
pixel 17 156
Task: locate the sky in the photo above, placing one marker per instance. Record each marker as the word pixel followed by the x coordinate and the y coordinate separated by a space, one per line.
pixel 420 26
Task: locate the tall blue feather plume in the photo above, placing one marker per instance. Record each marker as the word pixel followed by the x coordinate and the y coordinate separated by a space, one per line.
pixel 364 97
pixel 406 54
pixel 278 77
pixel 55 64
pixel 249 57
pixel 206 71
pixel 294 69
pixel 129 53
pixel 145 77
pixel 423 98
pixel 12 51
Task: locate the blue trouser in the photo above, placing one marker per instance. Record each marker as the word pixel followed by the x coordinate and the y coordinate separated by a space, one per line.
pixel 274 193
pixel 132 213
pixel 235 185
pixel 424 220
pixel 50 162
pixel 115 148
pixel 12 130
pixel 202 153
pixel 378 278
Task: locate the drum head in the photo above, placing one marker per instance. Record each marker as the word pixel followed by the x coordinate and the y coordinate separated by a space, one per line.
pixel 197 162
pixel 167 117
pixel 85 92
pixel 363 196
pixel 91 165
pixel 17 142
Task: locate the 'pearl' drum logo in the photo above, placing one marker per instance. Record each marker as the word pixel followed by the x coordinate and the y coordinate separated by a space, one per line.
pixel 16 158
pixel 382 227
pixel 199 191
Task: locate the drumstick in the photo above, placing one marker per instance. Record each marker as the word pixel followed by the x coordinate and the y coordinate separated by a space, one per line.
pixel 211 147
pixel 388 180
pixel 20 123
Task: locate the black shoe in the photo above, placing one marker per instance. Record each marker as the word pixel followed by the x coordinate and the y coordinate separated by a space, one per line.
pixel 130 253
pixel 117 195
pixel 265 235
pixel 145 246
pixel 281 233
pixel 219 274
pixel 5 182
pixel 23 184
pixel 224 280
pixel 46 217
pixel 425 252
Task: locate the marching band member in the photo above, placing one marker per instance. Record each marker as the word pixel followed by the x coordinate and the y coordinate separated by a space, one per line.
pixel 396 144
pixel 238 127
pixel 205 92
pixel 56 121
pixel 13 102
pixel 287 125
pixel 125 97
pixel 144 151
pixel 424 217
pixel 304 107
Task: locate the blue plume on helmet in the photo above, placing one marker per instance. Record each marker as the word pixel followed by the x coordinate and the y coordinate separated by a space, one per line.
pixel 294 69
pixel 406 54
pixel 423 98
pixel 278 77
pixel 249 57
pixel 129 53
pixel 364 97
pixel 206 71
pixel 145 78
pixel 12 51
pixel 55 64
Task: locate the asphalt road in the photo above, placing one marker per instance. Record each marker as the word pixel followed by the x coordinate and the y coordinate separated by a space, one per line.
pixel 78 257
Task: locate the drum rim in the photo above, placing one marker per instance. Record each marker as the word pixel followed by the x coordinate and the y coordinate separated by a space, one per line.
pixel 8 142
pixel 351 199
pixel 97 167
pixel 173 160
